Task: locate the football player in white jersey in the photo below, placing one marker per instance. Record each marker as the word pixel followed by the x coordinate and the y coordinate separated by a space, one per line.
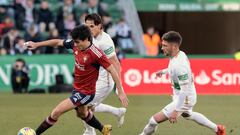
pixel 184 92
pixel 105 83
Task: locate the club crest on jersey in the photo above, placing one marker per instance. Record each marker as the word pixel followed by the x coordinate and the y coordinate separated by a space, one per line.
pixel 76 52
pixel 85 59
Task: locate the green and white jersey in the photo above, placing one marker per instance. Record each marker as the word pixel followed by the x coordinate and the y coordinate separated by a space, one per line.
pixel 180 74
pixel 104 42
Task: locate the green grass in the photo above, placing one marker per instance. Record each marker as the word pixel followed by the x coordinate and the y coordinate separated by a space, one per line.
pixel 17 111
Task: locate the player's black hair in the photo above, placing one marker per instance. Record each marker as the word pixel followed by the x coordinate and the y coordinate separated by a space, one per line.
pixel 81 32
pixel 95 18
pixel 172 36
pixel 21 60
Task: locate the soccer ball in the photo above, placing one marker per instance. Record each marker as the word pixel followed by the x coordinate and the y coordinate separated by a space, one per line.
pixel 26 131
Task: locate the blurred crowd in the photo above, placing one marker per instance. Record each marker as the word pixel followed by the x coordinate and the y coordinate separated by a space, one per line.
pixel 38 20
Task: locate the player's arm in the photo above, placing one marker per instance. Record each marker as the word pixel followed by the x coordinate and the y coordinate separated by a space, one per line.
pixel 116 64
pixel 159 73
pixel 105 63
pixel 52 43
pixel 121 94
pixel 183 81
pixel 109 51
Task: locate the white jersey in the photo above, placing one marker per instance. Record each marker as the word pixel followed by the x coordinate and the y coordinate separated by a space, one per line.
pixel 104 42
pixel 184 92
pixel 181 74
pixel 105 83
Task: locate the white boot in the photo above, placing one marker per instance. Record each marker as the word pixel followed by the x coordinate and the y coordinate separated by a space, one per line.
pixel 88 130
pixel 150 128
pixel 121 116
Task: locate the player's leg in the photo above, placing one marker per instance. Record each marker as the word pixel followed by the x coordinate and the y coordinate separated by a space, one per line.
pixel 153 122
pixel 61 108
pixel 81 101
pixel 99 96
pixel 157 118
pixel 118 112
pixel 103 89
pixel 86 114
pixel 204 121
pixel 88 129
pixel 198 117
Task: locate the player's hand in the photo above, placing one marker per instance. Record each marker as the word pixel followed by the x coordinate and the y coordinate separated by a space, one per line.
pixel 173 117
pixel 30 45
pixel 159 73
pixel 123 98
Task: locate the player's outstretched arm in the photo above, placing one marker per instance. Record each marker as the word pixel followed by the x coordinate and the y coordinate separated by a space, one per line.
pixel 121 94
pixel 161 72
pixel 52 43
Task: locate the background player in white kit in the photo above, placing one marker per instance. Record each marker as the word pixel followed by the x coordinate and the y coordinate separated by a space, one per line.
pixel 105 83
pixel 184 93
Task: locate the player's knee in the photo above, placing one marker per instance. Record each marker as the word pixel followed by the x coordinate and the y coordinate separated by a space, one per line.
pixel 91 108
pixel 186 115
pixel 56 113
pixel 152 121
pixel 82 115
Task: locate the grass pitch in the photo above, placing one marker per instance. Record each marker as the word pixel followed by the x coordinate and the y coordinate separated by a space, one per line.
pixel 17 111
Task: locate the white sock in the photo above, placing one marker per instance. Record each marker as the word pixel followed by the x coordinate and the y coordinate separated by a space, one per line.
pixel 88 127
pixel 202 120
pixel 107 108
pixel 150 127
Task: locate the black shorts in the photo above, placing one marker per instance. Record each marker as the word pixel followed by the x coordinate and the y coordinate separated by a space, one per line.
pixel 79 99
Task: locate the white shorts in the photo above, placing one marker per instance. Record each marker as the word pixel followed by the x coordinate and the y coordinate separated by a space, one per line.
pixel 103 89
pixel 187 108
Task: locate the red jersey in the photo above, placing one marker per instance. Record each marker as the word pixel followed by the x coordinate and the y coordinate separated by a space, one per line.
pixel 86 69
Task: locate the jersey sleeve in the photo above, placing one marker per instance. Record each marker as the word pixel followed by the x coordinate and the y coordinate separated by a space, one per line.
pixel 68 43
pixel 108 48
pixel 100 57
pixel 183 80
pixel 103 61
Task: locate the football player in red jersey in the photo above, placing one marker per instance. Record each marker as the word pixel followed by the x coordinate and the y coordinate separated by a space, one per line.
pixel 105 83
pixel 88 59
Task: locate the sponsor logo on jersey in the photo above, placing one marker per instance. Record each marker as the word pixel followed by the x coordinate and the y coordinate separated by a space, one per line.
pixel 79 66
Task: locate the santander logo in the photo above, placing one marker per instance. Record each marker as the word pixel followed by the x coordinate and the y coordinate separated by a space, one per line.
pixel 202 78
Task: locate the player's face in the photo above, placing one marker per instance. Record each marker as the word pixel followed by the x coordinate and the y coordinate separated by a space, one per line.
pixel 167 48
pixel 95 29
pixel 82 44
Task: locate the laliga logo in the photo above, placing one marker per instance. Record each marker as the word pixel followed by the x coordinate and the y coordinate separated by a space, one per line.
pixel 133 77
